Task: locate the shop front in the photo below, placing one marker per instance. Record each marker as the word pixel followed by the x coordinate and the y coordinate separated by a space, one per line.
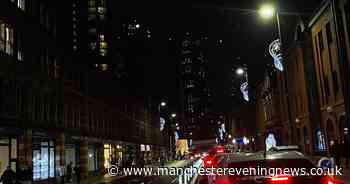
pixel 9 148
pixel 93 161
pixel 43 157
pixel 71 149
pixel 113 155
pixel 8 153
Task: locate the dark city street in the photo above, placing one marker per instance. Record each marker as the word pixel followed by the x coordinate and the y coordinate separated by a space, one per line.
pixel 175 92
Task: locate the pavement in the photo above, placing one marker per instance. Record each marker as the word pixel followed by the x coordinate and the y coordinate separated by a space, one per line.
pixel 107 179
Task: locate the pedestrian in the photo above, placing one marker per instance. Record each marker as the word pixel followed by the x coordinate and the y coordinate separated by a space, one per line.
pixel 29 174
pixel 22 175
pixel 335 152
pixel 8 177
pixel 162 160
pixel 62 173
pixel 69 172
pixel 77 172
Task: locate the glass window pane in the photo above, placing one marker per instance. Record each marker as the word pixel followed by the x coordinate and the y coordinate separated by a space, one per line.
pixel 13 148
pixel 52 162
pixel 36 164
pixel 4 141
pixel 44 163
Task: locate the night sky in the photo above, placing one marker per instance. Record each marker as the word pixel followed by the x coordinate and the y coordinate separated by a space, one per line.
pixel 244 35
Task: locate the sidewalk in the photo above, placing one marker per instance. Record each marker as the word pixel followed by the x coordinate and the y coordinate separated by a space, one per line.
pixel 109 179
pixel 98 179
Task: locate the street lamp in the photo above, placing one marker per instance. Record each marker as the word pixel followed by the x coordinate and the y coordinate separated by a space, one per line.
pixel 173 115
pixel 267 11
pixel 276 51
pixel 163 104
pixel 240 71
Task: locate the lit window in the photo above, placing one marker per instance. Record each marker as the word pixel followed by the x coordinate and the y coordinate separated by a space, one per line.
pixel 93 45
pixel 102 37
pixel 20 56
pixel 6 38
pixel 103 45
pixel 21 4
pixel 104 67
pixel 101 10
pixel 103 52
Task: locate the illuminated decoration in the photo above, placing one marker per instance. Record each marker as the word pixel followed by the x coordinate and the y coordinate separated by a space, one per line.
pixel 221 131
pixel 162 123
pixel 321 145
pixel 176 136
pixel 245 141
pixel 142 147
pixel 233 141
pixel 270 142
pixel 276 53
pixel 245 92
pixel 325 163
pixel 181 147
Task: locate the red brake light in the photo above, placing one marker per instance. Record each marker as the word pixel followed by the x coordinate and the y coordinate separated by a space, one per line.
pixel 280 180
pixel 209 162
pixel 220 150
pixel 331 181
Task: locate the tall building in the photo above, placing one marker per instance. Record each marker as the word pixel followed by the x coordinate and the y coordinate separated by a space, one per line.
pixel 196 94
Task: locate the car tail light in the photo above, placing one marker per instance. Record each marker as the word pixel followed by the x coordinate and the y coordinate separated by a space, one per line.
pixel 329 180
pixel 279 180
pixel 223 180
pixel 220 150
pixel 209 162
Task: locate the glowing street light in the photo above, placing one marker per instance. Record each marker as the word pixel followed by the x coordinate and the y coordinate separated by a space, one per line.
pixel 240 71
pixel 137 25
pixel 267 11
pixel 173 115
pixel 163 104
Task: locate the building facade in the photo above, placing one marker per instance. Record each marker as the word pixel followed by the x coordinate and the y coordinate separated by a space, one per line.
pixel 317 64
pixel 194 83
pixel 49 115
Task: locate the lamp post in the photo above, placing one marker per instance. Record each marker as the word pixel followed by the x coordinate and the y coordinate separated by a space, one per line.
pixel 162 122
pixel 243 71
pixel 267 11
pixel 172 134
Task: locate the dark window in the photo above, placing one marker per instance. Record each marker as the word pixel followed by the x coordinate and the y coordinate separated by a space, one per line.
pixel 329 33
pixel 347 11
pixel 320 41
pixel 326 88
pixel 335 82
